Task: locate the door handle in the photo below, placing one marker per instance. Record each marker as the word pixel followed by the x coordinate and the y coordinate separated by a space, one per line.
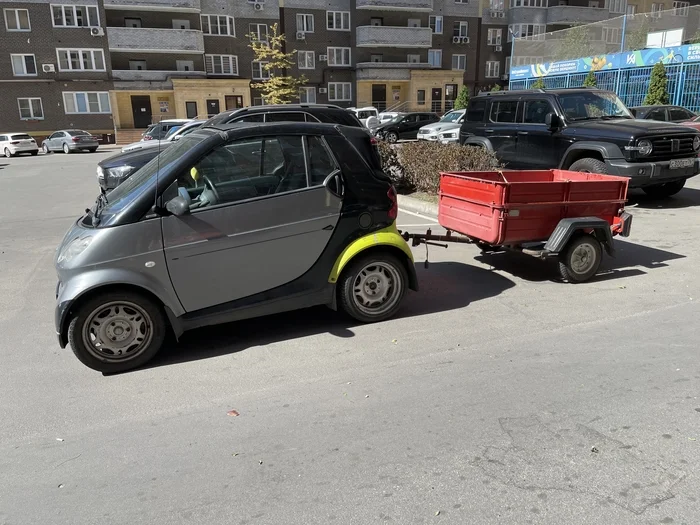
pixel 522 132
pixel 488 131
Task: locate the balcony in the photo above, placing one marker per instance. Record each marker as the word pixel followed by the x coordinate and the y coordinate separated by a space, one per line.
pixel 396 5
pixel 154 5
pixel 151 40
pixel 388 70
pixel 131 75
pixel 389 36
pixel 565 14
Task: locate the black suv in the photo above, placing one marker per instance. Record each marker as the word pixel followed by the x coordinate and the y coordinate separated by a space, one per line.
pixel 116 169
pixel 582 129
pixel 404 126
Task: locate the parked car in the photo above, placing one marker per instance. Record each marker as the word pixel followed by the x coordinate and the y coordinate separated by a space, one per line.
pixel 449 121
pixel 404 126
pixel 662 113
pixel 588 130
pixel 386 116
pixel 12 144
pixel 116 169
pixel 234 221
pixel 693 123
pixel 365 114
pixel 158 130
pixel 69 141
pixel 174 134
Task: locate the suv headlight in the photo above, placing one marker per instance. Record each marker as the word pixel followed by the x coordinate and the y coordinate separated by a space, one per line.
pixel 696 143
pixel 119 172
pixel 644 147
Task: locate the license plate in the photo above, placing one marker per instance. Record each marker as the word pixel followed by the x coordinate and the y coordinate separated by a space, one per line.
pixel 681 163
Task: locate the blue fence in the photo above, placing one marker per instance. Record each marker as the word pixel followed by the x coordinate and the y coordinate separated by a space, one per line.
pixel 631 85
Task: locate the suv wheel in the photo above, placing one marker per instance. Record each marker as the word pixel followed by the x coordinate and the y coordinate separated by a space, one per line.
pixel 661 191
pixel 392 137
pixel 589 165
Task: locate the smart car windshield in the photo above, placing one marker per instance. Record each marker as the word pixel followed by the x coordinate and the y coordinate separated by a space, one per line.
pixel 591 106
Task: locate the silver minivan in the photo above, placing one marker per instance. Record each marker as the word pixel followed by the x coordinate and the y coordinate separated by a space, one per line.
pixel 233 221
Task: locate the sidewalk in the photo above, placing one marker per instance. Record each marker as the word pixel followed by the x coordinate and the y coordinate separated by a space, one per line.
pixel 408 203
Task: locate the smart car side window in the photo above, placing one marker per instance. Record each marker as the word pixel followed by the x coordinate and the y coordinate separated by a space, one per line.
pixel 321 163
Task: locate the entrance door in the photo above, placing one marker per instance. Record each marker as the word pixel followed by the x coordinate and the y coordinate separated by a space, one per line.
pixel 191 109
pixel 450 96
pixel 379 96
pixel 141 109
pixel 234 102
pixel 212 107
pixel 436 98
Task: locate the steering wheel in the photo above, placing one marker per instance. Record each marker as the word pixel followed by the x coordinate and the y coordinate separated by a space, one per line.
pixel 208 184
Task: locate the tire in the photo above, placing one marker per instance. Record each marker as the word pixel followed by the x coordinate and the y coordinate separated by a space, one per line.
pixel 124 309
pixel 581 259
pixel 662 191
pixel 45 149
pixel 366 280
pixel 35 153
pixel 92 150
pixel 589 165
pixel 392 137
pixel 66 149
pixel 8 153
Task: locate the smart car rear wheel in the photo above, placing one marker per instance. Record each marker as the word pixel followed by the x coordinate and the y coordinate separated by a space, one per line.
pixel 372 287
pixel 117 331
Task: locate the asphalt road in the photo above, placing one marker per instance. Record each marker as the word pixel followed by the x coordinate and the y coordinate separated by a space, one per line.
pixel 499 396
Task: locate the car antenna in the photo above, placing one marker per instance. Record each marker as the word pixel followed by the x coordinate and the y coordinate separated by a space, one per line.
pixel 155 197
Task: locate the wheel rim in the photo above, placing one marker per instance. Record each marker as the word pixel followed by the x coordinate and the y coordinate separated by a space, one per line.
pixel 65 149
pixel 392 137
pixel 377 288
pixel 7 153
pixel 117 331
pixel 45 148
pixel 583 258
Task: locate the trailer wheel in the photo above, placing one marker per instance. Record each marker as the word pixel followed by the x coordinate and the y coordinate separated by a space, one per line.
pixel 581 260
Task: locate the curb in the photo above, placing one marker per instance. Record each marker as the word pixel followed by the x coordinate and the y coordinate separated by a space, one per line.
pixel 417 206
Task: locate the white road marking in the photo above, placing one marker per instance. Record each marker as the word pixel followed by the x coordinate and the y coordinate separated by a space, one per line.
pixel 418 215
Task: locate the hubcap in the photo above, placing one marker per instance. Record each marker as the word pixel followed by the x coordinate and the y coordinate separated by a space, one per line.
pixel 583 258
pixel 377 288
pixel 117 331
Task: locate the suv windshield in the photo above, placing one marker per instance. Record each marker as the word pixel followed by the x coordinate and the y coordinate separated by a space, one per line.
pixel 588 106
pixel 453 116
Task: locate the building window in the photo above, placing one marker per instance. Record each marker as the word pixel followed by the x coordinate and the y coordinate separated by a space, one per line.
pixel 258 32
pixel 339 91
pixel 631 9
pixel 461 1
pixel 305 23
pixel 527 31
pixel 618 6
pixel 23 65
pixel 494 37
pixel 220 25
pixel 681 8
pixel 221 64
pixel 435 57
pixel 306 59
pixel 493 69
pixel 507 69
pixel 80 60
pixel 307 95
pixel 17 20
pixel 435 23
pixel 527 61
pixel 459 62
pixel 338 56
pixel 75 16
pixel 420 97
pixel 184 65
pixel 528 3
pixel 656 10
pixel 30 109
pixel 612 35
pixel 460 29
pixel 338 20
pixel 259 71
pixel 413 59
pixel 594 3
pixel 86 102
pixel 496 5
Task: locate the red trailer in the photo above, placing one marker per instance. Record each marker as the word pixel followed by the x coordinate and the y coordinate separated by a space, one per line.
pixel 565 214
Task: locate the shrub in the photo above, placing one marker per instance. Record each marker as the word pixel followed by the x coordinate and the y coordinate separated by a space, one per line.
pixel 591 80
pixel 416 166
pixel 539 83
pixel 658 86
pixel 462 100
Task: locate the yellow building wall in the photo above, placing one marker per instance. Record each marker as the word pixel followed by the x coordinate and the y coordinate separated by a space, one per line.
pixel 124 116
pixel 427 80
pixel 199 91
pixel 397 91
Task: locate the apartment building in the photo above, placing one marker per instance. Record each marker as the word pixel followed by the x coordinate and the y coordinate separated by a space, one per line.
pixel 54 67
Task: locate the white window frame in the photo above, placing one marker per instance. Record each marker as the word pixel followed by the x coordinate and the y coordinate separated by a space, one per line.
pixel 31 109
pixel 538 31
pixel 229 60
pixel 497 5
pixel 24 65
pixel 92 51
pixel 495 36
pixel 230 24
pixel 74 97
pixel 257 31
pixel 493 69
pixel 528 3
pixel 460 58
pixel 303 24
pixel 631 9
pixel 334 90
pixel 91 23
pixel 617 6
pixel 435 53
pixel 507 68
pixel 612 35
pixel 463 28
pixel 305 62
pixel 14 11
pixel 331 54
pixel 435 22
pixel 681 8
pixel 264 73
pixel 461 2
pixel 656 9
pixel 342 21
pixel 528 61
pixel 307 90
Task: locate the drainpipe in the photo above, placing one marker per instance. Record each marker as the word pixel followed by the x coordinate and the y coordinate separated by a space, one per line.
pixel 512 48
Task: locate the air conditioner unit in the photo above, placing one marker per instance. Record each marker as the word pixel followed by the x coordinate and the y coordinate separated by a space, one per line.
pixel 494 14
pixel 97 31
pixel 501 14
pixel 498 49
pixel 465 40
pixel 456 39
pixel 259 6
pixel 323 90
pixel 301 35
pixel 322 58
pixel 48 68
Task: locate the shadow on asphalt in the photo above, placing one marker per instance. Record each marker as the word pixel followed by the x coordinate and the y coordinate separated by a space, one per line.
pixel 444 286
pixel 628 261
pixel 3 165
pixel 686 198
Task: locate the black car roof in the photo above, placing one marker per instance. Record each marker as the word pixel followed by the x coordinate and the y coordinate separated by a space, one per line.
pixel 542 91
pixel 235 129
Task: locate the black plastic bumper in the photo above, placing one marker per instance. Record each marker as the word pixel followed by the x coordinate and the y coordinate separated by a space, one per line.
pixel 650 173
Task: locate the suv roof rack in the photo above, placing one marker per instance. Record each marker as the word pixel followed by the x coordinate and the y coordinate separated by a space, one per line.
pixel 534 90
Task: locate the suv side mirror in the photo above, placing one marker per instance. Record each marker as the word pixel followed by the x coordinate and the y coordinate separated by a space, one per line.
pixel 552 121
pixel 178 206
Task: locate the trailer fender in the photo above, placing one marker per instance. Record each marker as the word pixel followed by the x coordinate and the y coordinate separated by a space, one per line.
pixel 580 150
pixel 568 228
pixel 480 142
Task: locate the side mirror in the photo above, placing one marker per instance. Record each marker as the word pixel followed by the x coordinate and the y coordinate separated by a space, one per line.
pixel 178 206
pixel 176 138
pixel 552 121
